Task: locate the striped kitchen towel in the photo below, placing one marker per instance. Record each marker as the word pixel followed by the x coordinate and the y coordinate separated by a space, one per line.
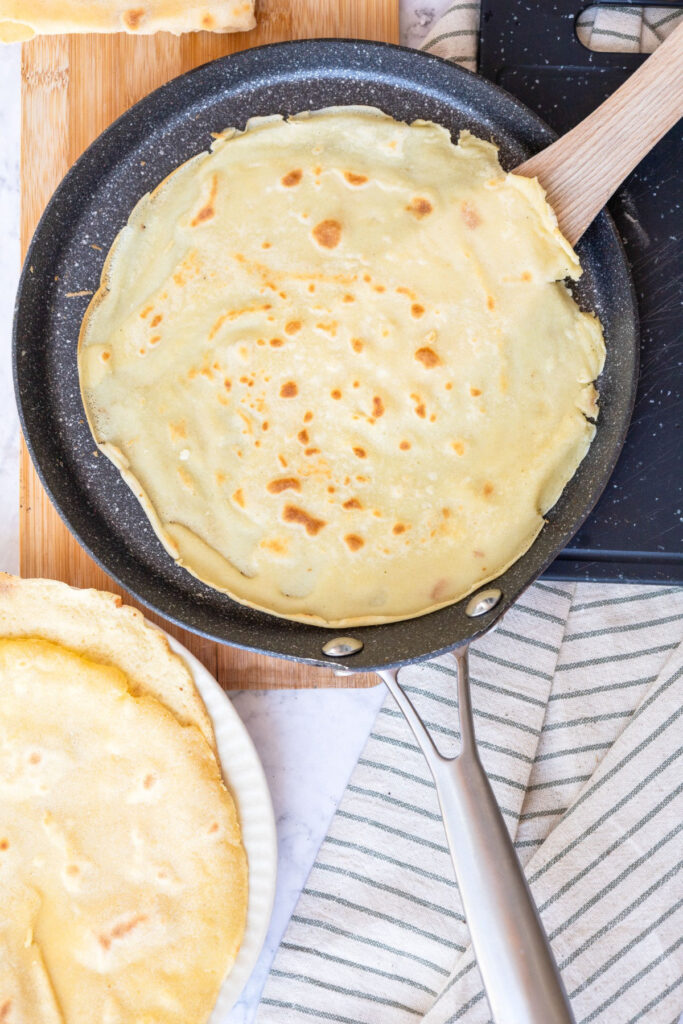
pixel 578 697
pixel 624 28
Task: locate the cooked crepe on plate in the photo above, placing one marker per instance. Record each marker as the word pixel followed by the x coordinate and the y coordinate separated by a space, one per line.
pixel 98 625
pixel 123 874
pixel 335 360
pixel 23 19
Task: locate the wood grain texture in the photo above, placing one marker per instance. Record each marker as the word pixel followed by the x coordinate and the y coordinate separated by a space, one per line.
pixel 72 88
pixel 585 167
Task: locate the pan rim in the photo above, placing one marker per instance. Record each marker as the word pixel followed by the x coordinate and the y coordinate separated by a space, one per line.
pixel 590 493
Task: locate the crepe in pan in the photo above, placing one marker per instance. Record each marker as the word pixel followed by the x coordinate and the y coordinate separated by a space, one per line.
pixel 335 360
pixel 23 19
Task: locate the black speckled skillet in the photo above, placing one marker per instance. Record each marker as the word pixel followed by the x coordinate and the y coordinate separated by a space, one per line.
pixel 93 203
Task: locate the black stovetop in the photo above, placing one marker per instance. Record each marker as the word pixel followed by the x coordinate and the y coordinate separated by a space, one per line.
pixel 635 533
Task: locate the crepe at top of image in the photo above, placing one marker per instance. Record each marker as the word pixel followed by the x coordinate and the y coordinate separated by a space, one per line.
pixel 122 872
pixel 335 361
pixel 23 19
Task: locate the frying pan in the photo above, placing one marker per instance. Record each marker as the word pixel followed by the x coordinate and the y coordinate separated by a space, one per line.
pixel 89 208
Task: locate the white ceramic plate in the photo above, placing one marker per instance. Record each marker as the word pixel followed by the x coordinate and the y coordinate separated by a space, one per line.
pixel 244 777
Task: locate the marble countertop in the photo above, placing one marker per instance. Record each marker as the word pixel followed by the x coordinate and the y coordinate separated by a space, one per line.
pixel 309 741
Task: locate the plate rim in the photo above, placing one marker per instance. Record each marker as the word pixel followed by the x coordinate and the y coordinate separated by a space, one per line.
pixel 257 820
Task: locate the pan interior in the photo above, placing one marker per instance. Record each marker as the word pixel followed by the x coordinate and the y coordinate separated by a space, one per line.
pixel 94 202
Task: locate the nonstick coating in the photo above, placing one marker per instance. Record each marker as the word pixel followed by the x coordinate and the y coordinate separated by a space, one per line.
pixel 93 203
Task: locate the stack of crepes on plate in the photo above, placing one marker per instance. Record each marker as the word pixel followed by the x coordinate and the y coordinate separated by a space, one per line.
pixel 23 19
pixel 122 870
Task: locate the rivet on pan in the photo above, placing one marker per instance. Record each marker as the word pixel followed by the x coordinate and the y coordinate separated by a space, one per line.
pixel 341 646
pixel 483 602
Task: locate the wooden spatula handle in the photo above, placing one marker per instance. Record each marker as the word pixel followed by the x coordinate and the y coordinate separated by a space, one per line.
pixel 582 169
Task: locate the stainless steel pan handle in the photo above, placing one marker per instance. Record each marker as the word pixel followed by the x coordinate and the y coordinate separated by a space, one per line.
pixel 520 975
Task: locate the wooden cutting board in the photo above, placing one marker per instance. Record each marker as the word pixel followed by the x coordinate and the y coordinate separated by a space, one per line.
pixel 72 88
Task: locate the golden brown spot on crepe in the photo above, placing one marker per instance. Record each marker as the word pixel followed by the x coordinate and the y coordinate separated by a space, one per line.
pixel 420 410
pixel 289 390
pixel 265 245
pixel 355 179
pixel 72 869
pixel 155 340
pixel 377 407
pixel 132 18
pixel 360 452
pixel 475 392
pixel 327 234
pixel 105 356
pixel 238 497
pixel 526 276
pixel 417 310
pixel 274 544
pixel 186 479
pixel 329 328
pixel 348 298
pixel 488 489
pixel 311 287
pixel 352 503
pixel 220 478
pixel 207 211
pixel 283 461
pixel 283 484
pixel 446 513
pixel 459 447
pixel 265 425
pixel 4 844
pixel 354 541
pixel 419 207
pixel 478 554
pixel 293 514
pixel 439 590
pixel 356 383
pixel 366 277
pixel 292 178
pixel 303 436
pixel 227 384
pixel 356 344
pixel 292 327
pixel 146 311
pixel 404 446
pixel 399 528
pixel 491 302
pixel 448 385
pixel 470 215
pixel 336 394
pixel 178 431
pixel 120 930
pixel 312 451
pixel 5 1009
pixel 35 758
pixel 157 320
pixel 308 416
pixel 276 342
pixel 379 287
pixel 148 781
pixel 208 21
pixel 428 357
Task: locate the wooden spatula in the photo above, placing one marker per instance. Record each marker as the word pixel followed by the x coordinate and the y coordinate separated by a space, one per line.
pixel 584 168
